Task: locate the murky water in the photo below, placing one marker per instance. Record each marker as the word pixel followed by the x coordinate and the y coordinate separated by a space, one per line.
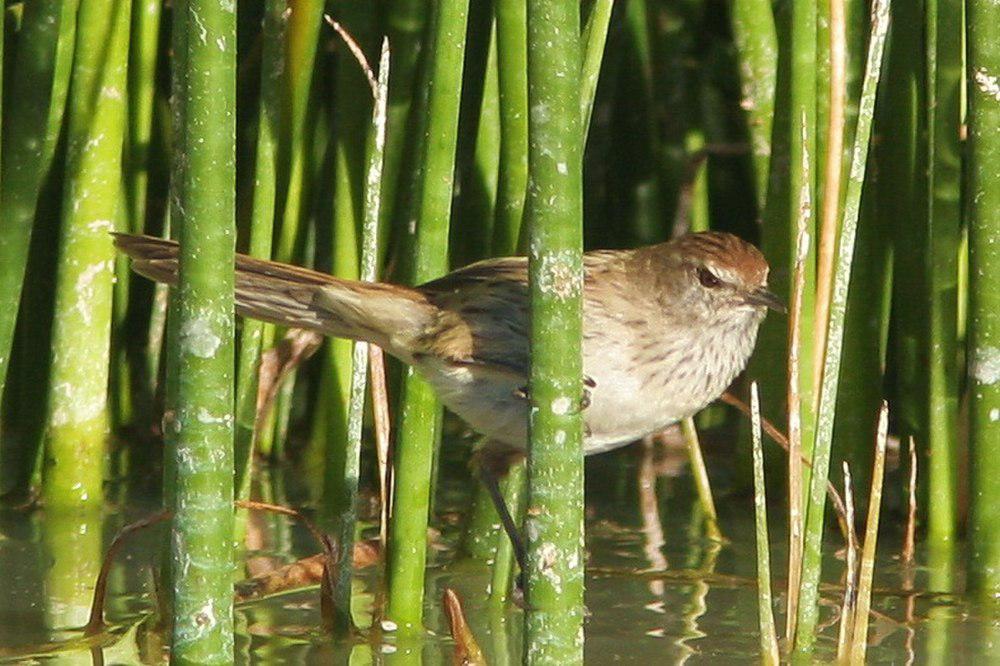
pixel 657 591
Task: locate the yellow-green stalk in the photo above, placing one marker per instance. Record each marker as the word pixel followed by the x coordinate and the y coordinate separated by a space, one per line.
pixel 77 424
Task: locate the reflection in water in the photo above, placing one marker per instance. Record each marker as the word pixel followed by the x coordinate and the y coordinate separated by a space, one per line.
pixel 638 525
pixel 649 508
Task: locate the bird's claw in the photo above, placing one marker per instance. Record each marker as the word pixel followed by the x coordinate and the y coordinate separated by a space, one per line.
pixel 522 393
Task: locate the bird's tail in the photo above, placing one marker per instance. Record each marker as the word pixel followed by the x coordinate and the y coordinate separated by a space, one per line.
pixel 387 315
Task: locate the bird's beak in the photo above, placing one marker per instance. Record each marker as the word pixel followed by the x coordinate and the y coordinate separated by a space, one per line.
pixel 764 297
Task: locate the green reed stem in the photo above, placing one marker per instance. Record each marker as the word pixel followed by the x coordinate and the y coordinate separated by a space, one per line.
pixel 352 118
pixel 554 525
pixel 374 157
pixel 302 36
pixel 768 633
pixel 701 481
pixel 593 39
pixel 803 168
pixel 261 228
pixel 866 572
pixel 37 89
pixel 406 27
pixel 813 541
pixel 503 558
pixel 984 297
pixel 944 34
pixel 143 56
pixel 77 424
pixel 512 64
pixel 202 357
pixel 429 259
pixel 757 44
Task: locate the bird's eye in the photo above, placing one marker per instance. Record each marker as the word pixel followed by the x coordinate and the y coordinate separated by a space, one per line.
pixel 708 278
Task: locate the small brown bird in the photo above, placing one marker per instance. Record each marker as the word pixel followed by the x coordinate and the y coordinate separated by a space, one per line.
pixel 666 328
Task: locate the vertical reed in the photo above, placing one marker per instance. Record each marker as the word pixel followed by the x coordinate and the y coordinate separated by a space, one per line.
pixel 812 562
pixel 201 356
pixel 765 610
pixel 40 78
pixel 419 409
pixel 944 36
pixel 554 526
pixel 261 231
pixel 77 425
pixel 984 297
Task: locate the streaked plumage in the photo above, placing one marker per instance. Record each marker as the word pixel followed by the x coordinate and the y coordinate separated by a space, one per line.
pixel 666 327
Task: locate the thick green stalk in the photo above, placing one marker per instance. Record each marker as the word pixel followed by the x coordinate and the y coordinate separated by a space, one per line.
pixel 757 43
pixel 40 78
pixel 813 541
pixel 554 525
pixel 429 259
pixel 984 297
pixel 261 226
pixel 201 359
pixel 944 218
pixel 77 421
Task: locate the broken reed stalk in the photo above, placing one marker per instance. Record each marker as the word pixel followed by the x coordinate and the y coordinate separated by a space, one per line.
pixel 815 512
pixel 701 481
pixel 796 471
pixel 768 633
pixel 859 630
pixel 850 576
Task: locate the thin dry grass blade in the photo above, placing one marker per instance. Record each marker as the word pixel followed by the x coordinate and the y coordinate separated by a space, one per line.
pixel 906 557
pixel 851 576
pixel 380 407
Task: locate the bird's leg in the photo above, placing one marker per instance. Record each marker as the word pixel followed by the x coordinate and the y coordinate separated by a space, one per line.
pixel 492 484
pixel 492 462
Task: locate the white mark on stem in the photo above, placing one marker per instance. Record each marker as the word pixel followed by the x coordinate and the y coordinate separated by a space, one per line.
pixel 985 366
